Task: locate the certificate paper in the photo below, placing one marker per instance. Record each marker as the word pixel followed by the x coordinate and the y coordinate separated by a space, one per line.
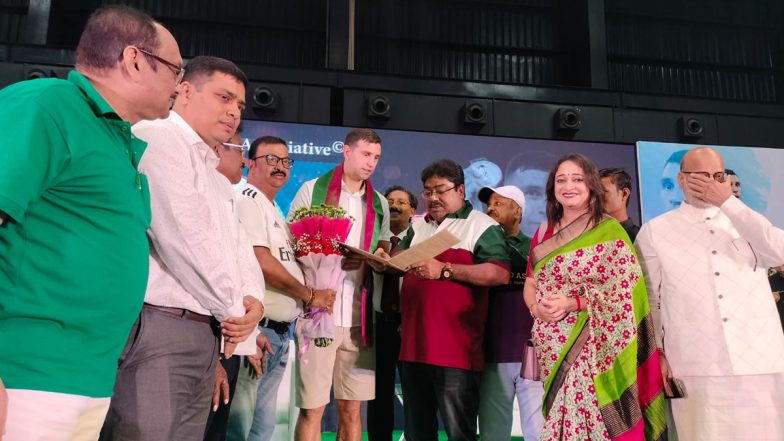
pixel 427 249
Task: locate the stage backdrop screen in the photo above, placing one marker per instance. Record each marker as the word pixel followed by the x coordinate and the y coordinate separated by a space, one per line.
pixel 757 169
pixel 487 161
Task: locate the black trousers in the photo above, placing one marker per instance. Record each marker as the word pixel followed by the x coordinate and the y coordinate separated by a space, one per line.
pixel 431 390
pixel 381 411
pixel 218 421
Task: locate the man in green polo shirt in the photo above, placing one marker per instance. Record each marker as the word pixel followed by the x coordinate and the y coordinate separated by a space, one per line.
pixel 73 217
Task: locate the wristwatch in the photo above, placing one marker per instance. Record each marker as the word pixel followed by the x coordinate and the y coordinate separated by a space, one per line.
pixel 446 271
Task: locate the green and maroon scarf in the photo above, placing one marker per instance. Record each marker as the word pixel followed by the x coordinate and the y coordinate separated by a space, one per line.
pixel 327 191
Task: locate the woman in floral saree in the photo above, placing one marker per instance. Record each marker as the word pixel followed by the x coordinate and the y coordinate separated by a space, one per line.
pixel 592 330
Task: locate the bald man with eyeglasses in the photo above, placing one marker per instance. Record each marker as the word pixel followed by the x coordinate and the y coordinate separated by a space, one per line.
pixel 716 326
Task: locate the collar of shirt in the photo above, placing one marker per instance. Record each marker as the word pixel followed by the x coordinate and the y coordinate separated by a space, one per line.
pixel 699 214
pixel 261 194
pixel 193 138
pixel 344 188
pixel 520 238
pixel 96 101
pixel 461 213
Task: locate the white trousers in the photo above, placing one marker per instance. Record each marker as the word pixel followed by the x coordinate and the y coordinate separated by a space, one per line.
pixel 731 408
pixel 501 382
pixel 49 416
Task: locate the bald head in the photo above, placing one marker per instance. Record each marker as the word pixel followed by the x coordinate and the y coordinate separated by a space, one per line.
pixel 698 158
pixel 703 161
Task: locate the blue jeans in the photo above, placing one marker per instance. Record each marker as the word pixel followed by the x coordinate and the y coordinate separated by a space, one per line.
pixel 253 409
pixel 501 382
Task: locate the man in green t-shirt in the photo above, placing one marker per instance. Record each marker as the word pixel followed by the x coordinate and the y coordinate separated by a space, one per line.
pixel 74 212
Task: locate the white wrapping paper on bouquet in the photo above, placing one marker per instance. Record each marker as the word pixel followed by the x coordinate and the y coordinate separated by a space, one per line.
pixel 321 271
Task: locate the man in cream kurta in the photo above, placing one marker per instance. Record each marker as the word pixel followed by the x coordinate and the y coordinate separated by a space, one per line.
pixel 705 266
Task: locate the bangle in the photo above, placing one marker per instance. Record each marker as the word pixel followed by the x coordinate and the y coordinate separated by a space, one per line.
pixel 312 297
pixel 577 298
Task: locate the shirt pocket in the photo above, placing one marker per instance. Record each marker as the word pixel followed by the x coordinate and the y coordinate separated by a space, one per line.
pixel 743 253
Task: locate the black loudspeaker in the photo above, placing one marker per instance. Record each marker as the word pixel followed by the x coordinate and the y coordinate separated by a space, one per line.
pixel 568 119
pixel 690 127
pixel 379 106
pixel 36 71
pixel 474 112
pixel 265 98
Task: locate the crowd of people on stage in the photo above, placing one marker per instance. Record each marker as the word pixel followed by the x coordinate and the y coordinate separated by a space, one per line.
pixel 143 298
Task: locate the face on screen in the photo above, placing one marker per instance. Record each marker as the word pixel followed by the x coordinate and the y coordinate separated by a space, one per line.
pixel 671 193
pixel 532 182
pixel 481 173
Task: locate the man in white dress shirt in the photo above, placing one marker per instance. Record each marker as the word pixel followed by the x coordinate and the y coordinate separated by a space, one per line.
pixel 199 270
pixel 706 264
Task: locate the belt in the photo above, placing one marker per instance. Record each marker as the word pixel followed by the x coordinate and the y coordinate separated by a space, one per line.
pixel 278 327
pixel 184 313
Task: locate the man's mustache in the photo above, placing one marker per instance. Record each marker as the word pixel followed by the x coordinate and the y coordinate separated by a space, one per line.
pixel 278 172
pixel 395 210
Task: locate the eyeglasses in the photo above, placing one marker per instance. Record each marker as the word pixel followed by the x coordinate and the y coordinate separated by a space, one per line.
pixel 236 146
pixel 427 194
pixel 273 160
pixel 718 176
pixel 179 72
pixel 398 202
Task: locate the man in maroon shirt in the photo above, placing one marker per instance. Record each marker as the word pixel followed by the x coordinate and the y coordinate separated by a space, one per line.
pixel 444 309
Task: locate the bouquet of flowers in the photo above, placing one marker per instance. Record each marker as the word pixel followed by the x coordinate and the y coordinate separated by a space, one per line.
pixel 317 231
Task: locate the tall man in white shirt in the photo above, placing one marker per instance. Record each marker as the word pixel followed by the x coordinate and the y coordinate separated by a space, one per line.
pixel 198 268
pixel 253 413
pixel 706 265
pixel 348 363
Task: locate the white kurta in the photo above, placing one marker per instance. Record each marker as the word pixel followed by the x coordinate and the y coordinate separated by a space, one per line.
pixel 714 315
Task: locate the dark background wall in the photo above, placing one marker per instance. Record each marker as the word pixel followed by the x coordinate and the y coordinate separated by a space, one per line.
pixel 622 70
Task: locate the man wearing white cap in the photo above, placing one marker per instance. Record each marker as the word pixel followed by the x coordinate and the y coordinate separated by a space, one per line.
pixel 508 329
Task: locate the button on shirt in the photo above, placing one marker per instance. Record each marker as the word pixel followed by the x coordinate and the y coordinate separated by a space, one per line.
pixel 347 310
pixel 199 259
pixel 706 276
